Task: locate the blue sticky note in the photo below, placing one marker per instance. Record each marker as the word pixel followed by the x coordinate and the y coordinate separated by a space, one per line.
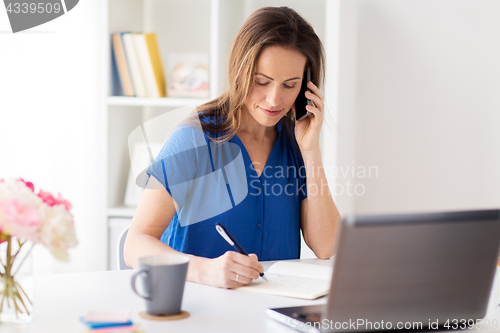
pixel 93 325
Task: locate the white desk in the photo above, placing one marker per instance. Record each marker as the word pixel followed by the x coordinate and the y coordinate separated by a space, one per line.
pixel 61 299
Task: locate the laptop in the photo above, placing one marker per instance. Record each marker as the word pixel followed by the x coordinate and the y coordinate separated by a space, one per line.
pixel 393 272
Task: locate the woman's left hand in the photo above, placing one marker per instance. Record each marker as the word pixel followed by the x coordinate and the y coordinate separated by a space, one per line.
pixel 307 130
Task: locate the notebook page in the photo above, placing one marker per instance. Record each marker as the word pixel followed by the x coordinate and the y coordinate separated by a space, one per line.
pixel 301 269
pixel 289 285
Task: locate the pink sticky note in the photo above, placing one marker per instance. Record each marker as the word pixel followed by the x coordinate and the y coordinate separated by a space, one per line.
pixel 121 329
pixel 122 316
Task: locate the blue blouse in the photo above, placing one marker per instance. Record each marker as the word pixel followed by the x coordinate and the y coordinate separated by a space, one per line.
pixel 262 213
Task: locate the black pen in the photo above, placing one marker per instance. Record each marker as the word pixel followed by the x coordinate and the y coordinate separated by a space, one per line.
pixel 232 241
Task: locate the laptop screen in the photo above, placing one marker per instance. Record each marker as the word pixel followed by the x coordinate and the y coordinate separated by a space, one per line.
pixel 414 268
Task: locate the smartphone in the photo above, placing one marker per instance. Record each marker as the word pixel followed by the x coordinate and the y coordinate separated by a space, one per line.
pixel 302 101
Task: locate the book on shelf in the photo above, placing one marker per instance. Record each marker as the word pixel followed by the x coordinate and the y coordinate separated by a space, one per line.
pixel 121 65
pixel 133 62
pixel 138 64
pixel 150 63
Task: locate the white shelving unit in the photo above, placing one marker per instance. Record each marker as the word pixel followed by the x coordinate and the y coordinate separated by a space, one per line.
pixel 162 102
pixel 181 26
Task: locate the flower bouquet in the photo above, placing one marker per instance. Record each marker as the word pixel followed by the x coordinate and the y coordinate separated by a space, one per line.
pixel 28 218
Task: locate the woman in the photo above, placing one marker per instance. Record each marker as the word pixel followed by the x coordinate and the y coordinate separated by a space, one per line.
pixel 267 61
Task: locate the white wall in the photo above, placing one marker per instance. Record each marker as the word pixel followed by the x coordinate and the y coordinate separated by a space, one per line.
pixel 419 99
pixel 417 89
pixel 50 119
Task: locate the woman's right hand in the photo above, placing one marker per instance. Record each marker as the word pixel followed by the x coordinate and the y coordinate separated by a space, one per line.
pixel 231 270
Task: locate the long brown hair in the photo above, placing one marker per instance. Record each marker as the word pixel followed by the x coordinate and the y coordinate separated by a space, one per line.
pixel 267 26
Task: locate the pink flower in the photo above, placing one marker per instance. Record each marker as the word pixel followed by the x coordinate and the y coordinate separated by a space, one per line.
pixel 57 232
pixel 39 218
pixel 22 221
pixel 29 184
pixel 51 201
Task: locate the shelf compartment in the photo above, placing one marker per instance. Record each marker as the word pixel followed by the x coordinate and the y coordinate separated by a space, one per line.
pixel 121 211
pixel 149 101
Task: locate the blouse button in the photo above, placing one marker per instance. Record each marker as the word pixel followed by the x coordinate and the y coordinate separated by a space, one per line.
pixel 259 225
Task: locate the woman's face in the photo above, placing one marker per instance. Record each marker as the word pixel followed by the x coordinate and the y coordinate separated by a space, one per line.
pixel 276 84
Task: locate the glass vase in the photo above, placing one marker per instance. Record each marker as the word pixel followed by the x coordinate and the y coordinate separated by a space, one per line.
pixel 16 282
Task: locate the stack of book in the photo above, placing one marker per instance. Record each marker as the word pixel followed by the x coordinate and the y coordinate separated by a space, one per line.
pixel 138 64
pixel 109 322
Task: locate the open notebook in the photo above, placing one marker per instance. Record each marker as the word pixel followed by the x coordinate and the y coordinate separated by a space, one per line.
pixel 293 279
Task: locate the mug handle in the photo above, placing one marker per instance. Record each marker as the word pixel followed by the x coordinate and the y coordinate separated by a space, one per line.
pixel 134 277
